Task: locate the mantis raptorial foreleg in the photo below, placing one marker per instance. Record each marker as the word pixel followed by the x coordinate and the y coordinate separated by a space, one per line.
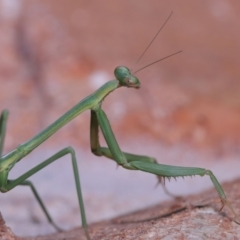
pixel 144 163
pixel 103 151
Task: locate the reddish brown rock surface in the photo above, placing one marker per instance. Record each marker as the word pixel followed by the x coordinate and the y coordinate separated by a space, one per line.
pixel 192 217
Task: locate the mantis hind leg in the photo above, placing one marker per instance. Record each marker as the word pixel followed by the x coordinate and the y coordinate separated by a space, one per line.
pixel 3 126
pixel 21 181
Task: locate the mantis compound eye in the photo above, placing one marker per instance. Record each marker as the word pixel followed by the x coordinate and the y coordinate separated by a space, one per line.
pixel 125 78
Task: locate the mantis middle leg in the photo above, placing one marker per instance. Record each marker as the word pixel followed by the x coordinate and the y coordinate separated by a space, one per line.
pixel 21 180
pixel 3 126
pixel 10 184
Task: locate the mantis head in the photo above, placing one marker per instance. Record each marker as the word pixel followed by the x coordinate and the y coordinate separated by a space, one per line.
pixel 125 78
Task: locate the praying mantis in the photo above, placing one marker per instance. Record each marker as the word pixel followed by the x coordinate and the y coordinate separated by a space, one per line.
pixel 93 102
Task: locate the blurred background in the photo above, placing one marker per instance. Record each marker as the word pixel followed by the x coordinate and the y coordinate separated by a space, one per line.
pixel 187 112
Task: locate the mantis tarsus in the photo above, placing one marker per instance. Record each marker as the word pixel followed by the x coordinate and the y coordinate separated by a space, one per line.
pixel 124 78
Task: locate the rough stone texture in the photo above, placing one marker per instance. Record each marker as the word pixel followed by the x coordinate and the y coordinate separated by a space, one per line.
pixel 194 217
pixel 5 232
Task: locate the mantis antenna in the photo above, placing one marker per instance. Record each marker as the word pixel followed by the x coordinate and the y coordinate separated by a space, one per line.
pixel 154 38
pixel 157 61
pixel 151 44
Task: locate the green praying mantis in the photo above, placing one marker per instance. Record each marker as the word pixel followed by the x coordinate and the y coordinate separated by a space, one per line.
pixel 93 102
